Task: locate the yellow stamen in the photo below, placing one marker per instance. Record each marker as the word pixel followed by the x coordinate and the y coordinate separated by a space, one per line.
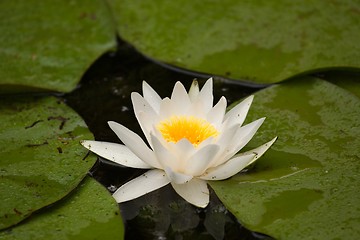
pixel 192 128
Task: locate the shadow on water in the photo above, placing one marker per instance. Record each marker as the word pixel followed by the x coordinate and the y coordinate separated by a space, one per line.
pixel 103 95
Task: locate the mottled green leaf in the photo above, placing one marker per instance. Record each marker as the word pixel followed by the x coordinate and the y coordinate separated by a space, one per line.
pixel 347 80
pixel 254 41
pixel 307 185
pixel 90 212
pixel 41 159
pixel 50 44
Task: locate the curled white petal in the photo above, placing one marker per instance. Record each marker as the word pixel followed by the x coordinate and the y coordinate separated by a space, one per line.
pixel 238 113
pixel 145 183
pixel 195 192
pixel 135 144
pixel 228 169
pixel 117 153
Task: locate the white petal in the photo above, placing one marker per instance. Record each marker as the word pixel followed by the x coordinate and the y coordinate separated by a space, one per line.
pixel 197 109
pixel 206 95
pixel 209 140
pixel 228 169
pixel 226 136
pixel 158 135
pixel 147 122
pixel 183 148
pixel 164 156
pixel 194 91
pixel 195 192
pixel 198 162
pixel 176 177
pixel 238 113
pixel 223 141
pixel 117 153
pixel 180 99
pixel 259 151
pixel 135 144
pixel 246 133
pixel 217 113
pixel 166 108
pixel 242 136
pixel 238 162
pixel 141 105
pixel 147 182
pixel 151 96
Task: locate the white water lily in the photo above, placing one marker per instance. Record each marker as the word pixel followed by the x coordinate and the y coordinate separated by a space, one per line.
pixel 191 141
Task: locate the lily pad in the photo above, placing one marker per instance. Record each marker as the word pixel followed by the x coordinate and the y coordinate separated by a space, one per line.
pixel 306 185
pixel 345 79
pixel 254 41
pixel 48 45
pixel 88 213
pixel 41 159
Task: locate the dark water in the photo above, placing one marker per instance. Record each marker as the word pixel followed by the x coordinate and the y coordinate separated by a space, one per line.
pixel 103 95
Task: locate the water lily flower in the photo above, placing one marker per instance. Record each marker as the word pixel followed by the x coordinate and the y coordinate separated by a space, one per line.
pixel 190 142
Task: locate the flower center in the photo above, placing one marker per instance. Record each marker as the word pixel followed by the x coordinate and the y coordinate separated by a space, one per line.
pixel 193 129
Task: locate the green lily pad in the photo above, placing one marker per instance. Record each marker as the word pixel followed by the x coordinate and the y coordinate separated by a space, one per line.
pixel 345 79
pixel 254 41
pixel 41 159
pixel 48 45
pixel 88 213
pixel 306 185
